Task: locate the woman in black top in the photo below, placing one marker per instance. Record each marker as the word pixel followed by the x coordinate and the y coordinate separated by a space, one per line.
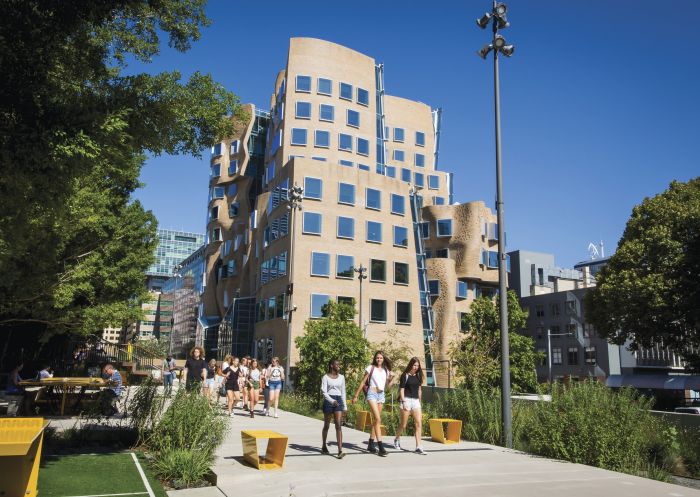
pixel 409 399
pixel 195 369
pixel 233 392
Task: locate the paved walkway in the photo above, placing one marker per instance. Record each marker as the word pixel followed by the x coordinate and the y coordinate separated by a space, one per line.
pixel 467 468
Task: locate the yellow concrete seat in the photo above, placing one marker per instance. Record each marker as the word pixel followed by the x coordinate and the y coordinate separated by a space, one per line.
pixel 451 435
pixel 20 455
pixel 274 454
pixel 364 420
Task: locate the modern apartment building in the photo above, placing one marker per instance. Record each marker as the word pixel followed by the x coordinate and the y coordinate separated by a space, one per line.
pixel 173 247
pixel 373 197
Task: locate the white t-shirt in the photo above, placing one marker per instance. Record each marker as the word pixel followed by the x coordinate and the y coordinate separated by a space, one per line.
pixel 255 375
pixel 275 373
pixel 244 371
pixel 378 378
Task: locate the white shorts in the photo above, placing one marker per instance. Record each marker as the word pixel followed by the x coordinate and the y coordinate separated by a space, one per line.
pixel 410 404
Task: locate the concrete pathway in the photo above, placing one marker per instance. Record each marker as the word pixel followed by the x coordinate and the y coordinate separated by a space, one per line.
pixel 467 468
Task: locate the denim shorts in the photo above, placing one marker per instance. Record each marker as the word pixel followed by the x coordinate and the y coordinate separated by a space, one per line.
pixel 274 385
pixel 329 408
pixel 377 397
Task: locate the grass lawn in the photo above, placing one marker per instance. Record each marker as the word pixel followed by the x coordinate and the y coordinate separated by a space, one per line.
pixel 95 475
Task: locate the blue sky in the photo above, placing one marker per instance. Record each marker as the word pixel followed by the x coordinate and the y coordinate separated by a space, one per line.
pixel 599 103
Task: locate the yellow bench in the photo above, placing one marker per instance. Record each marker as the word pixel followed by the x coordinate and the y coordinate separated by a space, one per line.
pixel 276 448
pixel 449 436
pixel 20 454
pixel 363 420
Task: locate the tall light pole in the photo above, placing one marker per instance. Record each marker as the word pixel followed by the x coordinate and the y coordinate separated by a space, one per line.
pixel 361 275
pixel 497 17
pixel 295 195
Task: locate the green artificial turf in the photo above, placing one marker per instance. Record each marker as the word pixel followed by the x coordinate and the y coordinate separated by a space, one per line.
pixel 94 474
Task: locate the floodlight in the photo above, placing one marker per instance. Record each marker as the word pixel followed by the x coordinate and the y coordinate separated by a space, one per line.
pixel 500 9
pixel 484 21
pixel 502 22
pixel 499 42
pixel 508 50
pixel 485 51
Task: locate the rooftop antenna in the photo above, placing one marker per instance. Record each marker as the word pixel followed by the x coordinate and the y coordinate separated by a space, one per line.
pixel 602 250
pixel 593 251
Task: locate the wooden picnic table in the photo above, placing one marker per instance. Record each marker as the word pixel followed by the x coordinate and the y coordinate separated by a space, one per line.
pixel 65 386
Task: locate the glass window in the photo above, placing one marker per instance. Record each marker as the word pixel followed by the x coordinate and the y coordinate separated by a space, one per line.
pixel 313 188
pixel 374 232
pixel 444 227
pixel 400 236
pixel 345 266
pixel 298 136
pixel 425 229
pixel 362 96
pixel 377 271
pixel 324 86
pixel 304 84
pixel 403 312
pixel 346 163
pixel 303 110
pixel 345 142
pixel 420 138
pixel 398 135
pixel 362 146
pixel 353 118
pixel 556 356
pixel 401 273
pixel 322 138
pixel 346 193
pixel 214 213
pixel 461 289
pixel 346 227
pixel 406 175
pixel 345 91
pixel 346 300
pixel 218 192
pixel 442 253
pixel 216 150
pixel 311 223
pixel 420 160
pixel 399 155
pixel 373 199
pixel 590 356
pixel 326 112
pixel 463 321
pixel 363 167
pixel 377 310
pixel 398 204
pixel 390 171
pixel 234 146
pixel 319 307
pixel 434 287
pixel 216 234
pixel 233 209
pixel 419 179
pixel 233 167
pixel 215 171
pixel 438 200
pixel 320 264
pixel 433 181
pixel 322 159
pixel 573 356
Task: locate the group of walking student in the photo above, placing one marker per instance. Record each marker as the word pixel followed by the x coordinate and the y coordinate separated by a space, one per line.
pixel 240 380
pixel 377 379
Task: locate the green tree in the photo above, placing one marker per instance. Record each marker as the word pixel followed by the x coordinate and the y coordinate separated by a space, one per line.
pixel 396 348
pixel 477 356
pixel 649 293
pixel 336 336
pixel 75 128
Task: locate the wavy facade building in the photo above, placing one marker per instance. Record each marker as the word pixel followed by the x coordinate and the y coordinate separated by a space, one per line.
pixel 373 197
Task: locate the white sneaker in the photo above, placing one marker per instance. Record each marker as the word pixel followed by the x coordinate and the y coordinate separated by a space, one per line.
pixel 277 415
pixel 397 444
pixel 230 415
pixel 419 450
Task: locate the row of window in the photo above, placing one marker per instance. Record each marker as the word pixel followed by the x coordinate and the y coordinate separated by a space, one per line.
pixel 312 225
pixel 377 308
pixel 322 139
pixel 326 112
pixel 461 291
pixel 555 309
pixel 216 150
pixel 324 86
pixel 273 268
pixel 589 356
pixel 345 268
pixel 571 329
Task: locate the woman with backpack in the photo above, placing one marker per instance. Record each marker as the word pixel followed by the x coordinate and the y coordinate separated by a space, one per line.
pixel 409 402
pixel 375 382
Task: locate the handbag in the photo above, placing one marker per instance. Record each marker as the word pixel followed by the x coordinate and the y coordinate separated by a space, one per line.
pixel 365 387
pixel 222 390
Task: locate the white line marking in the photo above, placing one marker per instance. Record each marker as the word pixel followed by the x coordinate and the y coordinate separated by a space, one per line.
pixel 111 495
pixel 143 476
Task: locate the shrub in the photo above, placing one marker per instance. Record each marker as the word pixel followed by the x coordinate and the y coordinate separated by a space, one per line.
pixel 300 403
pixel 181 467
pixel 689 449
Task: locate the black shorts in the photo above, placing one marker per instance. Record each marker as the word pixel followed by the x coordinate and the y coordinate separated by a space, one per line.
pixel 329 408
pixel 232 385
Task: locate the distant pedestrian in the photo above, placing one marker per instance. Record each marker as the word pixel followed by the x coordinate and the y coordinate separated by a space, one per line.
pixel 110 396
pixel 265 389
pixel 169 369
pixel 242 378
pixel 410 402
pixel 210 381
pixel 231 374
pixel 376 380
pixel 275 377
pixel 334 405
pixel 195 371
pixel 253 382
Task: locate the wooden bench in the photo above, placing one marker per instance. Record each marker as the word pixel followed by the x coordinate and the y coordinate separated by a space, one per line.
pixel 449 436
pixel 274 454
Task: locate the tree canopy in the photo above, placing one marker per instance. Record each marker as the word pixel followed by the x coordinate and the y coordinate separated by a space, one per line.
pixel 477 356
pixel 649 292
pixel 75 128
pixel 336 336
